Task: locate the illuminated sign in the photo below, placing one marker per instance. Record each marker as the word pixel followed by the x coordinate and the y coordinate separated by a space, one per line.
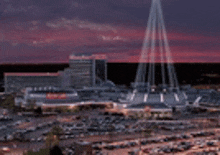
pixel 56 96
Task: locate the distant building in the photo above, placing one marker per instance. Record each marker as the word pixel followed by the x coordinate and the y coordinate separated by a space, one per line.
pixel 84 71
pixel 46 95
pixel 15 82
pixel 155 110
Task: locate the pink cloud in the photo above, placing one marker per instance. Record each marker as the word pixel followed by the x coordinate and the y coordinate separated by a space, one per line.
pixel 116 42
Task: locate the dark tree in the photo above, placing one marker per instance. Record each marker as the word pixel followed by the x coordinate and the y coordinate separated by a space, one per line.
pixel 56 150
pixel 38 111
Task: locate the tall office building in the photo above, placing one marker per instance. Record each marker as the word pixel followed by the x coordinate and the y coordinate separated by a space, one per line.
pixel 84 71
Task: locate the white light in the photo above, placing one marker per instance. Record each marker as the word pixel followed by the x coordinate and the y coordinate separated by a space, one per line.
pixel 156 34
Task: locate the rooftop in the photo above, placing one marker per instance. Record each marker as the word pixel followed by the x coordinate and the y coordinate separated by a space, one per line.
pixel 88 57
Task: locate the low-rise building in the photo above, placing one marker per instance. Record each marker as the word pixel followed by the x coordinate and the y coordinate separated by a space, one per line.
pixel 153 110
pixel 16 82
pixel 37 96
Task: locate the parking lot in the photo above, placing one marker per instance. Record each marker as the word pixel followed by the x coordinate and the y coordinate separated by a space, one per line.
pixel 208 141
pixel 109 133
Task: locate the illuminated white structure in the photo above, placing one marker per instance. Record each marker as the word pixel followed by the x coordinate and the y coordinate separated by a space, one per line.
pixel 156 80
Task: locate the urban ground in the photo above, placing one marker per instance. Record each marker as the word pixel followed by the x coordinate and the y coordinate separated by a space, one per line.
pixel 111 133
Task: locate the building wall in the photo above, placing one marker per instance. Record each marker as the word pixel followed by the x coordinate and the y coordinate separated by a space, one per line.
pixel 79 74
pixel 15 83
pixel 50 96
pixel 100 70
pixel 154 113
pixel 84 71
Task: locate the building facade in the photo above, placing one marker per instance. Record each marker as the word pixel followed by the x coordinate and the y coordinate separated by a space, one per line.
pixel 84 71
pixel 15 82
pixel 49 95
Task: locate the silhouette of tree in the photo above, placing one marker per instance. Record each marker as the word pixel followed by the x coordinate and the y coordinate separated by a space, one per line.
pixel 38 111
pixel 56 150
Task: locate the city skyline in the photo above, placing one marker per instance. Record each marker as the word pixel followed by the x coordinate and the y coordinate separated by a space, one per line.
pixel 49 31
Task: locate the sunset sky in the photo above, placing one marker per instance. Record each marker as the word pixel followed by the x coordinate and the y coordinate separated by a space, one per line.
pixel 39 31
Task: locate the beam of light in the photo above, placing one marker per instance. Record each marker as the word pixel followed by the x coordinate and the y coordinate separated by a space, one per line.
pixel 156 32
pixel 171 71
pixel 145 47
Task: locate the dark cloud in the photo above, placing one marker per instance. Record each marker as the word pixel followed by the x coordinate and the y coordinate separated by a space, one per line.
pixel 29 28
pixel 202 15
